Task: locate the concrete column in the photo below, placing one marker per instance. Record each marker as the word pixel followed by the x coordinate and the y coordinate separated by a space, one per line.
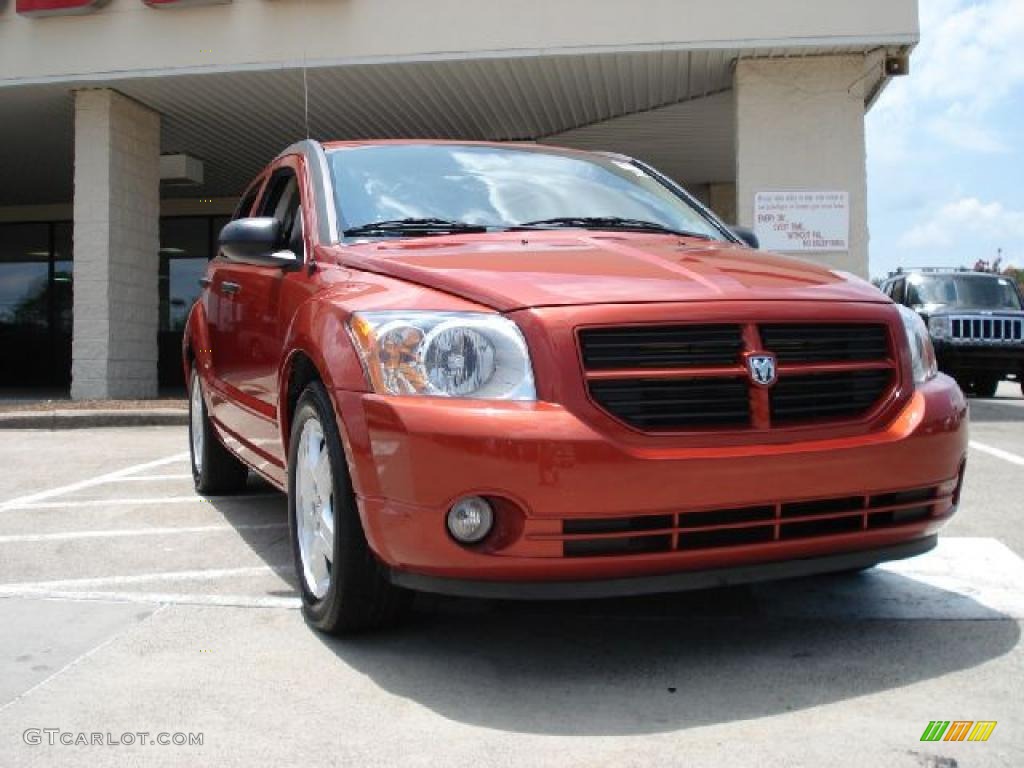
pixel 800 126
pixel 722 200
pixel 116 244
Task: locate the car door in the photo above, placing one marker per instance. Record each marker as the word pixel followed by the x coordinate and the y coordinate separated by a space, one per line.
pixel 254 317
pixel 220 311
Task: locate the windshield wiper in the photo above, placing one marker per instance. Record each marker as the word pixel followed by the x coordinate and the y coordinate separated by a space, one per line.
pixel 406 227
pixel 606 222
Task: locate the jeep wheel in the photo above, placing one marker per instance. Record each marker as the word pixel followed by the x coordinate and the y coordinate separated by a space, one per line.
pixel 344 588
pixel 214 469
pixel 985 386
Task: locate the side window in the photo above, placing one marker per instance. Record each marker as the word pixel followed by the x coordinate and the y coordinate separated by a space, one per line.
pixel 245 204
pixel 896 291
pixel 282 201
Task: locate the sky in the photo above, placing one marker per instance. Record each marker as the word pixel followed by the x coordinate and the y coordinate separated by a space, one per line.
pixel 946 144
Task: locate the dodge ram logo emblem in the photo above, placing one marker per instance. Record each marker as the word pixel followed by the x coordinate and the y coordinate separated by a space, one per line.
pixel 762 369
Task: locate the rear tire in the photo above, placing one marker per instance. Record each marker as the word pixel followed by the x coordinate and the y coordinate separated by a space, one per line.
pixel 215 470
pixel 344 587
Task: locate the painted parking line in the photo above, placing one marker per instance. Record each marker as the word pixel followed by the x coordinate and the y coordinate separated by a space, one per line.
pixel 171 598
pixel 149 478
pixel 963 579
pixel 999 453
pixel 142 501
pixel 91 589
pixel 90 482
pixel 209 574
pixel 118 533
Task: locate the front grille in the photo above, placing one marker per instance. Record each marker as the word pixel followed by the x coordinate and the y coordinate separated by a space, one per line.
pixel 744 526
pixel 692 377
pixel 845 395
pixel 825 343
pixel 668 346
pixel 986 329
pixel 675 403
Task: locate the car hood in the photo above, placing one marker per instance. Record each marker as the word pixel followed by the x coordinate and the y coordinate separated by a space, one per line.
pixel 509 271
pixel 939 310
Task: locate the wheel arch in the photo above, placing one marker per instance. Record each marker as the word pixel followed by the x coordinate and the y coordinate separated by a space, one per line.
pixel 319 348
pixel 195 342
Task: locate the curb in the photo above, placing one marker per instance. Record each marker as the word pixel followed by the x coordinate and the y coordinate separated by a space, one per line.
pixel 85 419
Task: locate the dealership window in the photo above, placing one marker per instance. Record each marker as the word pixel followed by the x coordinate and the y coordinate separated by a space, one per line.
pixel 63 303
pixel 37 305
pixel 184 251
pixel 26 303
pixel 187 243
pixel 24 275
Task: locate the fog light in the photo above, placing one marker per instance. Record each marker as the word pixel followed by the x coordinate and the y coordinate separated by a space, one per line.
pixel 470 519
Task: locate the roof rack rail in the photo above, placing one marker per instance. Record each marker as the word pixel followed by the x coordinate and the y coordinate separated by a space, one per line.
pixel 906 270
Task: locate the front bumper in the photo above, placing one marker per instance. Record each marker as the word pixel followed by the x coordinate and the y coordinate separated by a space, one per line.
pixel 1000 359
pixel 412 458
pixel 672 582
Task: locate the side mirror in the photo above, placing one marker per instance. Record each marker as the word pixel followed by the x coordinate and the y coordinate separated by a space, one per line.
pixel 256 241
pixel 746 235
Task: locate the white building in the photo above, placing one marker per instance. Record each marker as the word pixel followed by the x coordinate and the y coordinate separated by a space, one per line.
pixel 732 98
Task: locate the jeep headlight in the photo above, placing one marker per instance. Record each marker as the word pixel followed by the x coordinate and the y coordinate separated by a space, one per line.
pixel 444 354
pixel 939 326
pixel 922 354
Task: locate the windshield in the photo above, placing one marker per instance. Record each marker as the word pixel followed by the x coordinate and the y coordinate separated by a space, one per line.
pixel 969 291
pixel 499 187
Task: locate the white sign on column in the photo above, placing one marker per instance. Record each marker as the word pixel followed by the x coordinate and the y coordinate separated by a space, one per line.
pixel 802 220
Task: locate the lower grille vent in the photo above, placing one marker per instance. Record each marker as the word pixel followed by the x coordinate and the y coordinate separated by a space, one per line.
pixel 744 526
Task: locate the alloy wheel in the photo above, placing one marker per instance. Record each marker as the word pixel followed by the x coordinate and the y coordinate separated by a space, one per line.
pixel 196 417
pixel 314 509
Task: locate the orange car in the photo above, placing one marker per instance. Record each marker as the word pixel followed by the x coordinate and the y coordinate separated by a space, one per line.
pixel 517 371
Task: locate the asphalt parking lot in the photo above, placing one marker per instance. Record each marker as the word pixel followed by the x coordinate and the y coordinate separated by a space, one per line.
pixel 128 604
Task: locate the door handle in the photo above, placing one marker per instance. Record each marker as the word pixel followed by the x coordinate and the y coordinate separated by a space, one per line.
pixel 228 287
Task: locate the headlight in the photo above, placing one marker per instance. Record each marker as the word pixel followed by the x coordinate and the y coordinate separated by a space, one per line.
pixel 922 354
pixel 444 354
pixel 939 326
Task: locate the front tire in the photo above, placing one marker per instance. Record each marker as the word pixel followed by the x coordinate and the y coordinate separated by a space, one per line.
pixel 214 469
pixel 344 588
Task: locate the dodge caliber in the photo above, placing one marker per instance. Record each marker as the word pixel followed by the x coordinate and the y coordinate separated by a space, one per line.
pixel 516 371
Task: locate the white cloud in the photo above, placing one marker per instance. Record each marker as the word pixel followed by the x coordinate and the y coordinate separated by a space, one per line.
pixel 944 144
pixel 964 129
pixel 970 51
pixel 968 63
pixel 962 218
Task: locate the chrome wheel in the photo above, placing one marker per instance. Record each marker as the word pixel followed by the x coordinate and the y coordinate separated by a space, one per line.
pixel 196 417
pixel 314 508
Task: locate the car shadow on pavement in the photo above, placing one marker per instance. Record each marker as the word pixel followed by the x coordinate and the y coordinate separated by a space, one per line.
pixel 647 665
pixel 262 505
pixel 658 663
